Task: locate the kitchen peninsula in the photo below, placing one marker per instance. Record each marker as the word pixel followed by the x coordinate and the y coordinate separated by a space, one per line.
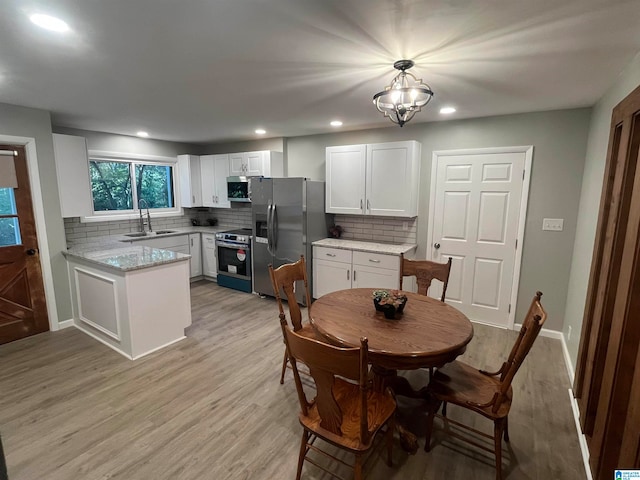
pixel 134 299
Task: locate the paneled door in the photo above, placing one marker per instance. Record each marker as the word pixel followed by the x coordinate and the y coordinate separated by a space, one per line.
pixel 23 310
pixel 476 208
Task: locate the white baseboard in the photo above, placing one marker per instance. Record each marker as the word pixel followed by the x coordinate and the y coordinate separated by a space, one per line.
pixel 581 438
pixel 545 332
pixel 567 361
pixel 96 337
pixel 65 324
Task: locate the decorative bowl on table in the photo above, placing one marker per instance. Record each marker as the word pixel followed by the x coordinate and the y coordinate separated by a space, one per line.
pixel 389 302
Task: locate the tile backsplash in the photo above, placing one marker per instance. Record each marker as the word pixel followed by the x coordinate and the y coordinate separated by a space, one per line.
pixel 236 217
pixel 378 229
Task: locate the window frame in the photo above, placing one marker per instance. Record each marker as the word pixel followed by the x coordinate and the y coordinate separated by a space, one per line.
pixel 133 159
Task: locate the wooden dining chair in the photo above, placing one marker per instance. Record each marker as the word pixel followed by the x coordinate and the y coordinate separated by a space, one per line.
pixel 425 272
pixel 487 393
pixel 284 279
pixel 346 412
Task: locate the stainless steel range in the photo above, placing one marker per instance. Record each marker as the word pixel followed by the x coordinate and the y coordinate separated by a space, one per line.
pixel 234 259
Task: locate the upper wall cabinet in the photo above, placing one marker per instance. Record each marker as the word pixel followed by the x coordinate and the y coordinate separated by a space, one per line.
pixel 214 170
pixel 250 164
pixel 376 179
pixel 72 169
pixel 190 181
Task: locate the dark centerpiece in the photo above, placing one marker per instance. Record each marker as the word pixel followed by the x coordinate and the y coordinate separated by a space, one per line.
pixel 389 302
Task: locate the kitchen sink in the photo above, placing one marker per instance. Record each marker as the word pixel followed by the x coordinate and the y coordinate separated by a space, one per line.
pixel 163 232
pixel 135 235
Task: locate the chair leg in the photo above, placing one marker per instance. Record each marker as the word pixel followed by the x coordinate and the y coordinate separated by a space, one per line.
pixel 391 426
pixel 357 468
pixel 506 429
pixel 284 366
pixel 444 409
pixel 498 429
pixel 430 417
pixel 303 452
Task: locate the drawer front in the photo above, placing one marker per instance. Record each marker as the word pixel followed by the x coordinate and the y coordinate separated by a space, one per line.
pixel 377 260
pixel 332 254
pixel 168 242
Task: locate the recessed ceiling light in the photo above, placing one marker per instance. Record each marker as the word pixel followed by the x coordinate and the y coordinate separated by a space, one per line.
pixel 260 131
pixel 336 123
pixel 142 134
pixel 447 110
pixel 49 23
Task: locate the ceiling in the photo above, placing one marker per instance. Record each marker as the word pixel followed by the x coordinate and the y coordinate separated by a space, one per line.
pixel 205 71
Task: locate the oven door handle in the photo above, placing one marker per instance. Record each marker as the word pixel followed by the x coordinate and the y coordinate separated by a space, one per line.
pixel 234 246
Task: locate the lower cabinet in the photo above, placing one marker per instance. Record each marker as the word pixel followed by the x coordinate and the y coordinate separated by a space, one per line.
pixel 209 256
pixel 195 251
pixel 339 269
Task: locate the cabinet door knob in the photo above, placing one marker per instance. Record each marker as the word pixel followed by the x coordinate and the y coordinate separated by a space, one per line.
pixel 360 204
pixel 374 261
pixel 31 251
pixel 331 254
pixel 193 198
pixel 347 274
pixel 436 246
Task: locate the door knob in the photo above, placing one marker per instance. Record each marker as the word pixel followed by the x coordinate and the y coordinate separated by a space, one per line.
pixel 436 246
pixel 31 251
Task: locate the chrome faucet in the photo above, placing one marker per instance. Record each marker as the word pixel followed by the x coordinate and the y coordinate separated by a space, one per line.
pixel 146 205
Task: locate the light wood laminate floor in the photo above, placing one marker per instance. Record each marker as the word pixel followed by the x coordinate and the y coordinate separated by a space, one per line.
pixel 211 407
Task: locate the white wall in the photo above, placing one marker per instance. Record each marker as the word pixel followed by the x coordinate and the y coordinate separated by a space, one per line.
pixel 590 203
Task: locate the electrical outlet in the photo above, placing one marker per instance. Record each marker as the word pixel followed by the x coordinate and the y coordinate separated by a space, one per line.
pixel 553 224
pixel 405 226
pixel 569 333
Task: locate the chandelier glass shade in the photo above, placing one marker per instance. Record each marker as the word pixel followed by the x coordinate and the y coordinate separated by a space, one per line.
pixel 404 97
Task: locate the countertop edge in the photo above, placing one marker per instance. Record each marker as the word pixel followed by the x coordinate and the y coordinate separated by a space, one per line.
pixel 365 246
pixel 103 263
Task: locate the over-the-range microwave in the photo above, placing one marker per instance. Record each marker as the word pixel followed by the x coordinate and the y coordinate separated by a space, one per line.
pixel 238 189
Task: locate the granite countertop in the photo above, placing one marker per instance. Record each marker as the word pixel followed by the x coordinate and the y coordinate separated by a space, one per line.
pixel 120 252
pixel 126 258
pixel 362 246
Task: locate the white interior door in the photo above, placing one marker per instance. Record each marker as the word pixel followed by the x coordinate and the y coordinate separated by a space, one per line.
pixel 476 203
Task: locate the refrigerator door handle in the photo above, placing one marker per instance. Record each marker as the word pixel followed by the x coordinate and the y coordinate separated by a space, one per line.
pixel 269 229
pixel 274 229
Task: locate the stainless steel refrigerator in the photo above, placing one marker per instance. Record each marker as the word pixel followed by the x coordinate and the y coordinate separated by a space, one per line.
pixel 287 215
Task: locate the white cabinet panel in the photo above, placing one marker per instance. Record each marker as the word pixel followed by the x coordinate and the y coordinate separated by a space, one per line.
pixel 372 277
pixel 209 258
pixel 340 269
pixel 330 277
pixel 265 163
pixel 378 179
pixel 190 181
pixel 345 179
pixel 72 169
pixel 214 170
pixel 196 254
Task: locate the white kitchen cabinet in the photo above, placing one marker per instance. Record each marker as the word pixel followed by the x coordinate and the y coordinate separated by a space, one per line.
pixel 266 163
pixel 377 179
pixel 209 256
pixel 195 251
pixel 190 181
pixel 214 170
pixel 340 269
pixel 72 170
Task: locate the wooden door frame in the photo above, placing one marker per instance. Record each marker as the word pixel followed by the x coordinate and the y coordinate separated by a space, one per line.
pixel 522 216
pixel 29 144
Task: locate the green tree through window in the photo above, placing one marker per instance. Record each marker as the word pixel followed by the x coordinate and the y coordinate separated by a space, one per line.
pixel 111 185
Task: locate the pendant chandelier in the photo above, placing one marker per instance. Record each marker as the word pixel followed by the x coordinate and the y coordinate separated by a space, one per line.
pixel 405 96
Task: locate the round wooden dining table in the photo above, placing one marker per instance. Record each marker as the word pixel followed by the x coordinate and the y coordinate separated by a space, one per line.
pixel 429 333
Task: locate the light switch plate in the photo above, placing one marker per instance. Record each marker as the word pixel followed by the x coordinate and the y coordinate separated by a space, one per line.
pixel 553 224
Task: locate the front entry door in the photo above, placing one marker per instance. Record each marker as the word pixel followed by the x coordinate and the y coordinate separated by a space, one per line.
pixel 23 309
pixel 476 211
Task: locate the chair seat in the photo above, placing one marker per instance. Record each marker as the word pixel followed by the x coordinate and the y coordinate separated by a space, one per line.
pixel 380 407
pixel 459 383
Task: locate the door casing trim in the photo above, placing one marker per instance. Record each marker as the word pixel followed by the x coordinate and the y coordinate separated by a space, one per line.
pixel 29 143
pixel 528 151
